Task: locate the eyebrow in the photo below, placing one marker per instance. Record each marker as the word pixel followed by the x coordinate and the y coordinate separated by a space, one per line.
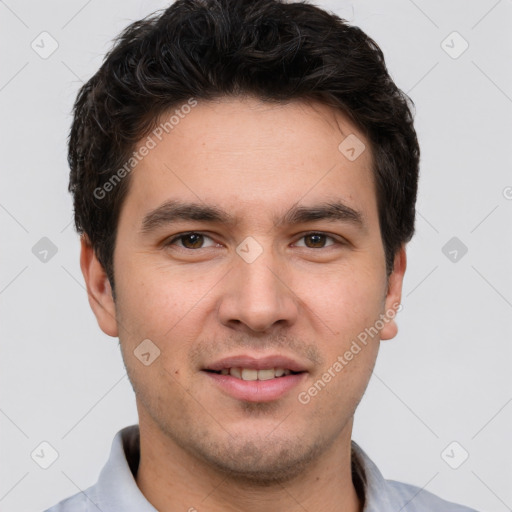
pixel 173 211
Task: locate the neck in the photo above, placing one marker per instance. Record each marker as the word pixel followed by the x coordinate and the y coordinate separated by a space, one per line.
pixel 172 479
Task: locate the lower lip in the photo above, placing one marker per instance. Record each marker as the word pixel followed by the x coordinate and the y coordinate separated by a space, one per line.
pixel 256 390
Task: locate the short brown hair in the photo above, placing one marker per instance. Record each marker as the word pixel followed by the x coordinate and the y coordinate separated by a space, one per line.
pixel 202 49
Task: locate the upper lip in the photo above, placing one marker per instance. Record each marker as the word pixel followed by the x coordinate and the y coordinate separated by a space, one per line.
pixel 257 363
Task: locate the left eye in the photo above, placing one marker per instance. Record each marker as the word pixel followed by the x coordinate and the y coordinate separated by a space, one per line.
pixel 317 240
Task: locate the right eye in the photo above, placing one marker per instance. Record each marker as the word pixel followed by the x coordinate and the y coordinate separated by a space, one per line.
pixel 191 240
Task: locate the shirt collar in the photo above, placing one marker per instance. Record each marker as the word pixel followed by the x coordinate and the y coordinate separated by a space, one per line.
pixel 117 488
pixel 377 493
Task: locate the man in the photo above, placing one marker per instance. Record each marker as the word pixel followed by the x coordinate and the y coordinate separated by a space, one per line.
pixel 244 177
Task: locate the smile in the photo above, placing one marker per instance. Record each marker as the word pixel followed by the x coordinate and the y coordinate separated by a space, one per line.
pixel 251 374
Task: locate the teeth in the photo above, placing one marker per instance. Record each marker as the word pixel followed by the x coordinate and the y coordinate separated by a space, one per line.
pixel 248 374
pixel 264 374
pixel 252 374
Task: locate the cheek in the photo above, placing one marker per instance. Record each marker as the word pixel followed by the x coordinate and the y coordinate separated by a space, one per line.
pixel 155 301
pixel 346 302
pixel 153 306
pixel 168 307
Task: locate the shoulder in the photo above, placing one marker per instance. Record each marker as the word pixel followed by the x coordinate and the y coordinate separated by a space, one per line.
pixel 116 488
pixel 85 501
pixel 415 499
pixel 383 495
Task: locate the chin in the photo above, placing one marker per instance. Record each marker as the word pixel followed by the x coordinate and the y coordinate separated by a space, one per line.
pixel 264 462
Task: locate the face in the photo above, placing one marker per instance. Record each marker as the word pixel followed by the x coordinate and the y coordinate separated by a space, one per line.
pixel 249 252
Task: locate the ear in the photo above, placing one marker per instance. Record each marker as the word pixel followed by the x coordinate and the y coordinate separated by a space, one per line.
pixel 98 288
pixel 394 295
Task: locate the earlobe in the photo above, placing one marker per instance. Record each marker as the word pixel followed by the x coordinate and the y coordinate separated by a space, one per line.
pixel 98 286
pixel 394 295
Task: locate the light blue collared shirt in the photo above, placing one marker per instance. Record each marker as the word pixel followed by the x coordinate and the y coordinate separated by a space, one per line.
pixel 116 489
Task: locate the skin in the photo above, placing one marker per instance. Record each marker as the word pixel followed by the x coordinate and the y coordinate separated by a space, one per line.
pixel 306 298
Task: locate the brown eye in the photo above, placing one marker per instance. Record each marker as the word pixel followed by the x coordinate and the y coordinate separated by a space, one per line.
pixel 190 240
pixel 316 240
pixel 194 239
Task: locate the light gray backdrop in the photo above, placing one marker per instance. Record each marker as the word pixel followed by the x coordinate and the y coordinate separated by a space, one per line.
pixel 445 379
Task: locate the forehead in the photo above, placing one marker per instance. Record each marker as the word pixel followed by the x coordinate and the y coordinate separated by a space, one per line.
pixel 254 156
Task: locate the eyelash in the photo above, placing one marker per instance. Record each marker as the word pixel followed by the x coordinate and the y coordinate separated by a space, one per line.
pixel 182 235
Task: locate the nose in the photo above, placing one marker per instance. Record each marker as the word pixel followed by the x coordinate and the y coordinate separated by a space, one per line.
pixel 258 295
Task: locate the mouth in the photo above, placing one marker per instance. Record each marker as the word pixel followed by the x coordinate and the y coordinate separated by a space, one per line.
pixel 256 379
pixel 252 374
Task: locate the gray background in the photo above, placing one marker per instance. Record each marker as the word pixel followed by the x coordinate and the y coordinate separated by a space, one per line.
pixel 445 378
